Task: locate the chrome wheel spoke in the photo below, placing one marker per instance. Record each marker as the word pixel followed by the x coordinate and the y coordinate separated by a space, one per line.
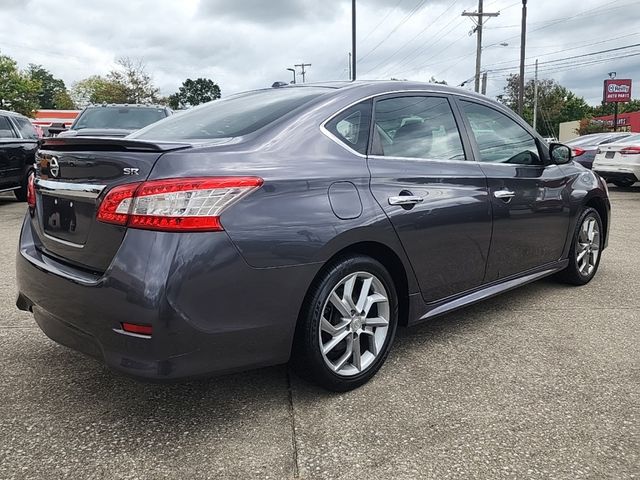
pixel 331 329
pixel 333 343
pixel 373 346
pixel 376 322
pixel 357 358
pixel 347 296
pixel 342 307
pixel 342 361
pixel 364 294
pixel 371 300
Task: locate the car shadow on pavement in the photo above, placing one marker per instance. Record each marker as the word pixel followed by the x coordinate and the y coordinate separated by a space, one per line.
pixel 72 382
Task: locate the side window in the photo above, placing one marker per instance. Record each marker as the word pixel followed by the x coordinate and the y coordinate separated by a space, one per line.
pixel 351 127
pixel 500 139
pixel 417 127
pixel 6 131
pixel 27 130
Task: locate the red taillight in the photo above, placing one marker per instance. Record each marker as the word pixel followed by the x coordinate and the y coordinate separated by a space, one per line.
pixel 576 152
pixel 136 328
pixel 630 150
pixel 179 204
pixel 116 205
pixel 31 191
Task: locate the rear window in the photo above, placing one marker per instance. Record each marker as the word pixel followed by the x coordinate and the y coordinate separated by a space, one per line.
pixel 126 118
pixel 232 117
pixel 27 130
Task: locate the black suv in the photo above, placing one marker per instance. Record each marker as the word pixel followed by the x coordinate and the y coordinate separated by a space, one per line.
pixel 115 120
pixel 18 145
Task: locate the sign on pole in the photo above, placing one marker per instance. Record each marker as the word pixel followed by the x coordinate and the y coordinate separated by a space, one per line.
pixel 617 90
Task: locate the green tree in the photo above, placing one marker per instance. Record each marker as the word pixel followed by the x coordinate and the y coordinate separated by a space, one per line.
pixel 194 92
pixel 131 74
pixel 129 83
pixel 18 92
pixel 556 104
pixel 98 89
pixel 53 92
pixel 608 108
pixel 435 80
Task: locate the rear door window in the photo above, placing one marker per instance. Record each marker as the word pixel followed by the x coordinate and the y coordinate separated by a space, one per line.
pixel 417 127
pixel 351 127
pixel 6 130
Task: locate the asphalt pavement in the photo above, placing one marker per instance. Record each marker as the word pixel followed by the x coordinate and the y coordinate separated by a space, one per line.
pixel 541 382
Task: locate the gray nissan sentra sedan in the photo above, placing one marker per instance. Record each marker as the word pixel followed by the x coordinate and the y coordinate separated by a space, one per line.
pixel 303 222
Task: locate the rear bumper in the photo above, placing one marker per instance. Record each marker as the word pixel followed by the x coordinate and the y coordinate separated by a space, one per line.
pixel 610 173
pixel 211 313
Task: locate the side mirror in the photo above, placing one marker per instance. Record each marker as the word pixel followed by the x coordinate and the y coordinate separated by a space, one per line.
pixel 559 153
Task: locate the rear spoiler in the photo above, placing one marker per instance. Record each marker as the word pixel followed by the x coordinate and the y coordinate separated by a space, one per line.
pixel 109 144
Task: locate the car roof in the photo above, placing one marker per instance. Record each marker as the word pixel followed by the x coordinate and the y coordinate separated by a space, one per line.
pixel 11 114
pixel 382 86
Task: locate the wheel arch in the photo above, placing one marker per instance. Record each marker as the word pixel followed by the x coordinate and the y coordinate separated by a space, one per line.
pixel 383 254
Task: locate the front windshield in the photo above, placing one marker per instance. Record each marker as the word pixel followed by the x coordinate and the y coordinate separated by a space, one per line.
pixel 232 117
pixel 126 118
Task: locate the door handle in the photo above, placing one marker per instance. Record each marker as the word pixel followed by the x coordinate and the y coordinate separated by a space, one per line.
pixel 405 200
pixel 505 195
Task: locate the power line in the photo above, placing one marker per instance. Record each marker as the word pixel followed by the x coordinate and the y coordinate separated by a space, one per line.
pixel 383 62
pixel 402 22
pixel 375 29
pixel 590 54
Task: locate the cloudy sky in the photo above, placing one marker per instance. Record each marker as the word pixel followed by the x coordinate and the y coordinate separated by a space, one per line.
pixel 243 44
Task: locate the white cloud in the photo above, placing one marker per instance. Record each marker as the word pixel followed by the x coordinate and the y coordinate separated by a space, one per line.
pixel 245 44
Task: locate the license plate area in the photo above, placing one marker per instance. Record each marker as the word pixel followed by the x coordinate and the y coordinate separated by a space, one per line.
pixel 609 154
pixel 66 219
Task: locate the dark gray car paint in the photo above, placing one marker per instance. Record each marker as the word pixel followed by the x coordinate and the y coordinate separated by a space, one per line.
pixel 223 301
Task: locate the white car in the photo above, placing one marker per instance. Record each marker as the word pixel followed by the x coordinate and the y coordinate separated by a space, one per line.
pixel 619 163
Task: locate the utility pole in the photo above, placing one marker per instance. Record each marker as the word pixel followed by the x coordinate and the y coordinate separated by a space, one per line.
pixel 484 83
pixel 535 97
pixel 523 38
pixel 477 18
pixel 302 65
pixel 350 66
pixel 353 40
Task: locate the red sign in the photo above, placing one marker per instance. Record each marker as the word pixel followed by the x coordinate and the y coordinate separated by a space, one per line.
pixel 617 90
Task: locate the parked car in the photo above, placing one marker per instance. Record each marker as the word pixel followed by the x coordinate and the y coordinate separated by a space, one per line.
pixel 584 148
pixel 619 162
pixel 18 145
pixel 115 120
pixel 302 221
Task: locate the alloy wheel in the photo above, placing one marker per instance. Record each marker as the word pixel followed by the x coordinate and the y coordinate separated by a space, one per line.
pixel 354 324
pixel 588 247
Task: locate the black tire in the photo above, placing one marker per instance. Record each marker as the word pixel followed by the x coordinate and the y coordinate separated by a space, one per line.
pixel 308 359
pixel 626 182
pixel 573 273
pixel 21 193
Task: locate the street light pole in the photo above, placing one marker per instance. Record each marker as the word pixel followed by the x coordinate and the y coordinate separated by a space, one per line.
pixel 293 70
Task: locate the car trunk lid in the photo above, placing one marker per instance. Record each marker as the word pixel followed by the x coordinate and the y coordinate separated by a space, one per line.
pixel 73 174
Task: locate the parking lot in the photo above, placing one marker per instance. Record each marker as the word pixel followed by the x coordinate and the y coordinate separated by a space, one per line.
pixel 542 382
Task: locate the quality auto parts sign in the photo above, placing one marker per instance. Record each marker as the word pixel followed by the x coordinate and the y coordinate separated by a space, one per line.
pixel 617 90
